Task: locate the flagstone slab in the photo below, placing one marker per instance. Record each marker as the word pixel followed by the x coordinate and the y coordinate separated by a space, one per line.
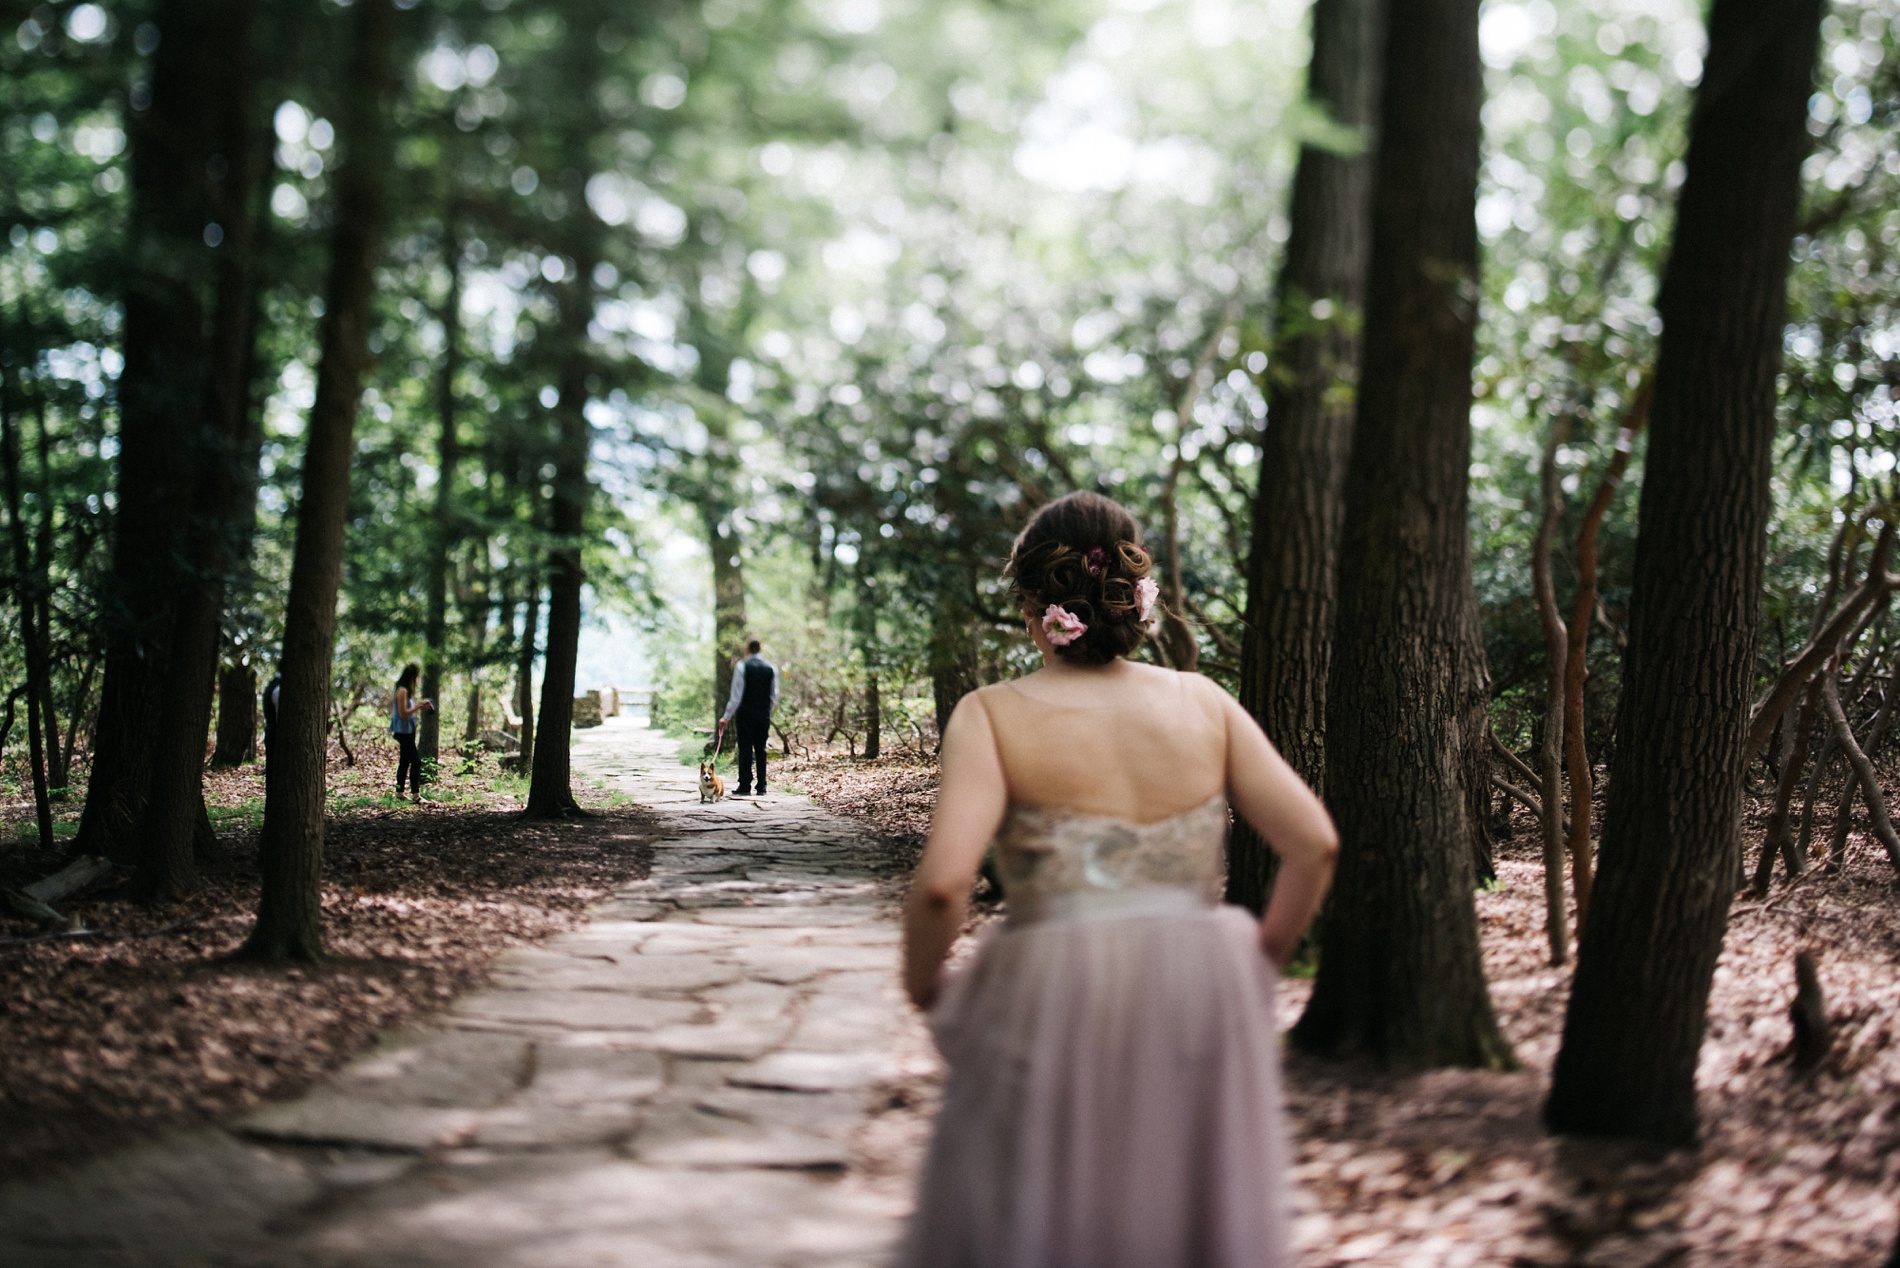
pixel 534 1125
pixel 802 916
pixel 571 1075
pixel 572 1010
pixel 629 972
pixel 732 1040
pixel 334 1118
pixel 453 1068
pixel 808 1071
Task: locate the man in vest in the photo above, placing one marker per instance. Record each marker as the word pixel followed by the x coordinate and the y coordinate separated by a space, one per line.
pixel 754 694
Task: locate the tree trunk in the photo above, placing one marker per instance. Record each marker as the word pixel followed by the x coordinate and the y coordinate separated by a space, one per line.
pixel 1577 662
pixel 1294 558
pixel 524 668
pixel 1550 753
pixel 435 631
pixel 550 794
pixel 237 716
pixel 168 827
pixel 37 667
pixel 237 690
pixel 1671 832
pixel 873 719
pixel 1473 697
pixel 289 916
pixel 1862 772
pixel 1401 981
pixel 728 603
pixel 1778 838
pixel 58 757
pixel 953 671
pixel 161 388
pixel 1877 732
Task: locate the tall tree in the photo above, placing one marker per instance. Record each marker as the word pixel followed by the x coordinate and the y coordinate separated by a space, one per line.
pixel 289 916
pixel 167 348
pixel 32 634
pixel 445 532
pixel 214 453
pixel 1292 569
pixel 1671 831
pixel 1401 981
pixel 550 793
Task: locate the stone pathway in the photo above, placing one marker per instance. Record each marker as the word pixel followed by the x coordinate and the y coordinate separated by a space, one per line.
pixel 718 1069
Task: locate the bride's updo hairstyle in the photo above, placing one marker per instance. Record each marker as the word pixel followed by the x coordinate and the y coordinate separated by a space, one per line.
pixel 1084 553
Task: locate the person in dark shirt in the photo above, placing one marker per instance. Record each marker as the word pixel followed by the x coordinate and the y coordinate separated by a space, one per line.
pixel 404 709
pixel 272 691
pixel 754 694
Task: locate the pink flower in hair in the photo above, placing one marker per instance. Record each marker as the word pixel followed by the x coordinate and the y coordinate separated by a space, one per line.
pixel 1097 561
pixel 1061 625
pixel 1146 592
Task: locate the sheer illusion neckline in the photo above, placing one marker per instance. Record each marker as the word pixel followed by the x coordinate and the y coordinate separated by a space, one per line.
pixel 1139 825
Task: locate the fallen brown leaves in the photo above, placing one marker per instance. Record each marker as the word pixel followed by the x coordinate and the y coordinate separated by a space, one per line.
pixel 1453 1167
pixel 106 1040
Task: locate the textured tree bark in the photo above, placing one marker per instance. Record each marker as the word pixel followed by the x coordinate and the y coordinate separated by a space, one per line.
pixel 1291 572
pixel 728 601
pixel 160 389
pixel 550 793
pixel 1671 832
pixel 1550 765
pixel 237 716
pixel 873 719
pixel 289 916
pixel 1400 981
pixel 214 449
pixel 435 627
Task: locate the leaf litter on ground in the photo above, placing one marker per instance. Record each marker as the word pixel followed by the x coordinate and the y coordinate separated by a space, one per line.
pixel 110 1040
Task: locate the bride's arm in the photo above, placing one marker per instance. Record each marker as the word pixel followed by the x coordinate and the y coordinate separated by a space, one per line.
pixel 1277 802
pixel 971 799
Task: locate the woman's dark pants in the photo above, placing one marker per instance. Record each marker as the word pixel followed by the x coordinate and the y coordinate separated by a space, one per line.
pixel 409 762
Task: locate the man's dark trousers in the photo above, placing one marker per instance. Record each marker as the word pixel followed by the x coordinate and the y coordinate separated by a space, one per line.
pixel 754 721
pixel 753 734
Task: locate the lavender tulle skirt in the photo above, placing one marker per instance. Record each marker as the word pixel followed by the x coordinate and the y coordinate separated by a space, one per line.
pixel 1113 1098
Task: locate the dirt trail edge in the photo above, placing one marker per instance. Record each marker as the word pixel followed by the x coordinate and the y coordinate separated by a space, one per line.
pixel 717 1069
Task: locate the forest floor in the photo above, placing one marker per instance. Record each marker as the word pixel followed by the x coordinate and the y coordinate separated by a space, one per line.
pixel 1453 1167
pixel 111 1039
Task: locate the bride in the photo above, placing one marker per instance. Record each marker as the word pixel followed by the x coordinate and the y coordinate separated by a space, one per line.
pixel 1113 1094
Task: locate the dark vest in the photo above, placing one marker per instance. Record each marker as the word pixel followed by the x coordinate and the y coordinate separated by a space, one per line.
pixel 755 706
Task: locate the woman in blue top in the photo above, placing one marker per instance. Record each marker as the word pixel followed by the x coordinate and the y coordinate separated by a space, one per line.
pixel 403 711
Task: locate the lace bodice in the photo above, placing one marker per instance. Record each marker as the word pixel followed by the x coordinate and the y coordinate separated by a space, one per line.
pixel 1048 858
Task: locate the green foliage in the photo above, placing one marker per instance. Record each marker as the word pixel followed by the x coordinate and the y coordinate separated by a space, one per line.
pixel 876 281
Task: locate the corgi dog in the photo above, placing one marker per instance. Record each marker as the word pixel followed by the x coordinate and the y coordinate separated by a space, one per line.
pixel 711 787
